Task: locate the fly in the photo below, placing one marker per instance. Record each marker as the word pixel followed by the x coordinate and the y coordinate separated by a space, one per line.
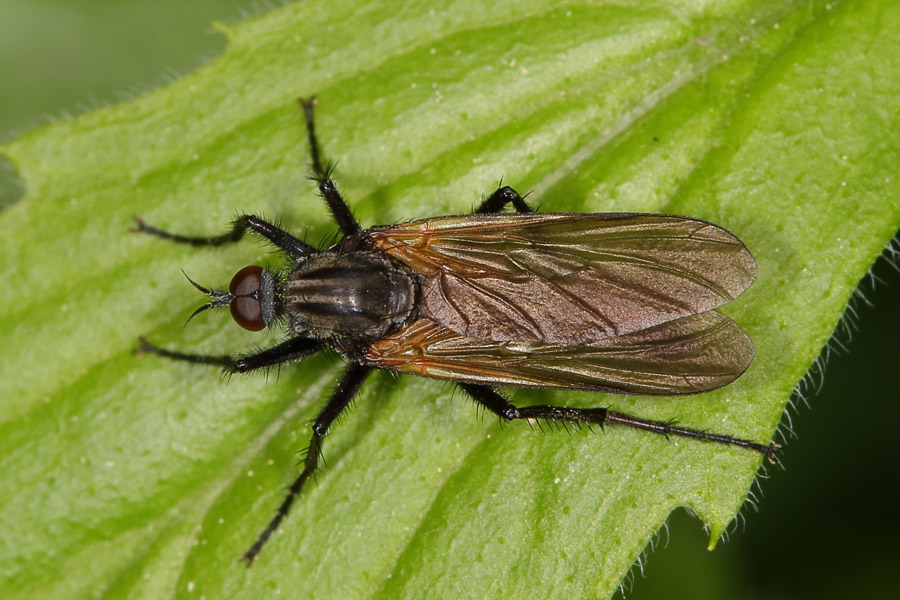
pixel 620 303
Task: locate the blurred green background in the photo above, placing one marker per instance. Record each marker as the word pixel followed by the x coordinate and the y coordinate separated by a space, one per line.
pixel 827 525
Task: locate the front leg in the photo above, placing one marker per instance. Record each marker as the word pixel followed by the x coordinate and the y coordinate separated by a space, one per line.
pixel 291 350
pixel 285 241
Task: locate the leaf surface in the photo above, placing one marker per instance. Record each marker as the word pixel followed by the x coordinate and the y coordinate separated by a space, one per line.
pixel 131 477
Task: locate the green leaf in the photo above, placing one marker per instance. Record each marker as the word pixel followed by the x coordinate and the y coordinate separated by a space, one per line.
pixel 131 476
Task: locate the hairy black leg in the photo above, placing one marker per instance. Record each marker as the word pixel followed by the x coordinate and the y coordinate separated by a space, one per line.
pixel 499 199
pixel 493 401
pixel 239 227
pixel 290 350
pixel 322 175
pixel 340 399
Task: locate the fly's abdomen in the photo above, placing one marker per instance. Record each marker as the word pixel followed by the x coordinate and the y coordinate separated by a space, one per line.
pixel 358 296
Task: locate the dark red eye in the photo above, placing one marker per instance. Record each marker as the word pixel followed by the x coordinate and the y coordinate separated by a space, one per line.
pixel 245 309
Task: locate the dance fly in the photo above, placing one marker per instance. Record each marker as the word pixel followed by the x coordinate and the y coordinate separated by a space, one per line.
pixel 620 303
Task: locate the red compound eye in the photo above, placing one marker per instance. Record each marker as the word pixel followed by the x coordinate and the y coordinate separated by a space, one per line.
pixel 245 310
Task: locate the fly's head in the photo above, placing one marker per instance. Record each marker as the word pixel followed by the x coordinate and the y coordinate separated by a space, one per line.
pixel 250 297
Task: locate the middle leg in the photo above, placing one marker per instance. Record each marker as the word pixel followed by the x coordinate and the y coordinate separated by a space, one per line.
pixel 340 399
pixel 322 174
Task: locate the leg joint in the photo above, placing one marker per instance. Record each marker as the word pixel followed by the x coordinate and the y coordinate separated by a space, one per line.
pixel 327 187
pixel 510 413
pixel 508 194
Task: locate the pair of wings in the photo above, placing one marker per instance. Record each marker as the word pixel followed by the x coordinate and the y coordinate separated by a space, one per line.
pixel 608 302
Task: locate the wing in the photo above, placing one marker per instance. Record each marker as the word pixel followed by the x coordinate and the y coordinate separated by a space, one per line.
pixel 686 356
pixel 567 278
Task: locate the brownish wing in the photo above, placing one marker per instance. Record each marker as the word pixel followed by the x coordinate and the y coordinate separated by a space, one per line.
pixel 686 356
pixel 567 278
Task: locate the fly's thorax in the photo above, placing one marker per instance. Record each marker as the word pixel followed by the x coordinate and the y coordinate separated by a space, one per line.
pixel 355 297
